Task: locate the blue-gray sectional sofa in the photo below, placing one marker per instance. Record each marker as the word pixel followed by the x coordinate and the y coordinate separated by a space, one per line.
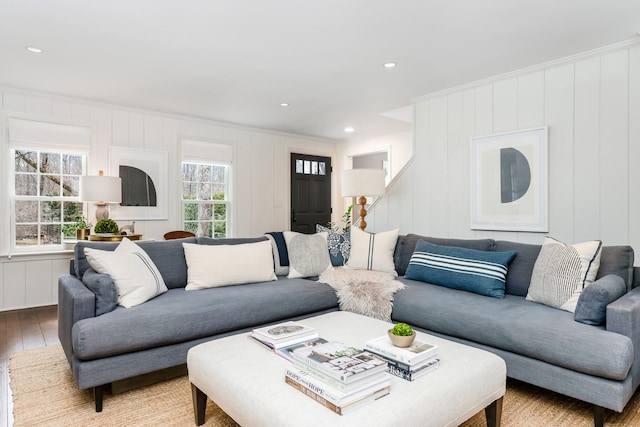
pixel 541 345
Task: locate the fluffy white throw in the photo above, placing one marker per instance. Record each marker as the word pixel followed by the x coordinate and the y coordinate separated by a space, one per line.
pixel 363 291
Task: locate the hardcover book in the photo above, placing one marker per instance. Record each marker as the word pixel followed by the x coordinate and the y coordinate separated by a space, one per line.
pixel 283 334
pixel 408 375
pixel 341 362
pixel 415 353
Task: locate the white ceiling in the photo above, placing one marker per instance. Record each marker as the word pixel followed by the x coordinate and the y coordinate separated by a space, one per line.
pixel 236 60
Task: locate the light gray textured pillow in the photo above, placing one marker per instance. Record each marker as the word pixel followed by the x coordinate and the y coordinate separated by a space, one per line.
pixel 562 271
pixel 308 254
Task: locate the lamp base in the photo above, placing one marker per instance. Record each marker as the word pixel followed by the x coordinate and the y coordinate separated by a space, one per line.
pixel 102 212
pixel 363 212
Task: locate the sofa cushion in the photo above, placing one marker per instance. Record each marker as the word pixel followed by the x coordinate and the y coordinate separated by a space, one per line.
pixel 515 325
pixel 224 265
pixel 103 288
pixel 180 316
pixel 168 256
pixel 521 267
pixel 372 251
pixel 617 260
pixel 482 272
pixel 407 244
pixel 562 271
pixel 339 245
pixel 136 277
pixel 308 254
pixel 592 303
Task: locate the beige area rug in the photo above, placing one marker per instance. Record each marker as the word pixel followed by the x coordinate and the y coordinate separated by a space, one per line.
pixel 45 394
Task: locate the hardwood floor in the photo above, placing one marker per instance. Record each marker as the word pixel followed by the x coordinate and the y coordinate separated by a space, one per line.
pixel 22 330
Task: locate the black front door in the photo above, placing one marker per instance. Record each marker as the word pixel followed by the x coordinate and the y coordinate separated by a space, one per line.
pixel 310 192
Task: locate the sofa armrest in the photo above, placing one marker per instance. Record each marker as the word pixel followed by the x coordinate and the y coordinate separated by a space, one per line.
pixel 75 302
pixel 623 317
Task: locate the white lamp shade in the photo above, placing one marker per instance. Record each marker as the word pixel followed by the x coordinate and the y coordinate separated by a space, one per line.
pixel 100 189
pixel 363 182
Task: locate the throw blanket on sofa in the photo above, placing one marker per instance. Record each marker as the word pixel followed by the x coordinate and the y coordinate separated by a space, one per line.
pixel 363 291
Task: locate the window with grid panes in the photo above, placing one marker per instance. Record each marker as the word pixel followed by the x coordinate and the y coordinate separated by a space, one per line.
pixel 205 199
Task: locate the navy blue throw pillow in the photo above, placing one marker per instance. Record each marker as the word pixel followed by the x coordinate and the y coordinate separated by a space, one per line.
pixel 481 272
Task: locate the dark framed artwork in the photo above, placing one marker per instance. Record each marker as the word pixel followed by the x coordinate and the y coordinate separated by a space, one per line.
pixel 144 175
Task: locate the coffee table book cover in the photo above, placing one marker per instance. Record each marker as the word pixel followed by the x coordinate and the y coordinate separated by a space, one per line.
pixel 275 341
pixel 417 352
pixel 340 361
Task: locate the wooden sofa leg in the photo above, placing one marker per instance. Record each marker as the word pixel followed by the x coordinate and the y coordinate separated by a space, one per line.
pixel 598 416
pixel 98 396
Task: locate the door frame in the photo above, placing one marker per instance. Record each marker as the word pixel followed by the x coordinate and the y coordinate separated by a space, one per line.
pixel 334 194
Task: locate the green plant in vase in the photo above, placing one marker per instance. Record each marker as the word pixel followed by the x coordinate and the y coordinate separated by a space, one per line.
pixel 402 335
pixel 106 226
pixel 80 229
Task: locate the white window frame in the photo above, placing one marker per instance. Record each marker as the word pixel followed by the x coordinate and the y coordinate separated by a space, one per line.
pixel 42 137
pixel 212 153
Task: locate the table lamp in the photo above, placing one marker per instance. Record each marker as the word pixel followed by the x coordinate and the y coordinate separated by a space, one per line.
pixel 101 190
pixel 362 183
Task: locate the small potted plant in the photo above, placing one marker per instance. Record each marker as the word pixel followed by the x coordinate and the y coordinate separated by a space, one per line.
pixel 106 226
pixel 81 227
pixel 402 335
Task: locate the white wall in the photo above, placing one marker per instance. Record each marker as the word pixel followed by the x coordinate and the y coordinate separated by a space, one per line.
pixel 261 178
pixel 399 146
pixel 591 104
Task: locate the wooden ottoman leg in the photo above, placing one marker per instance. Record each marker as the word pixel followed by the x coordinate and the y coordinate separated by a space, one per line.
pixel 493 413
pixel 199 404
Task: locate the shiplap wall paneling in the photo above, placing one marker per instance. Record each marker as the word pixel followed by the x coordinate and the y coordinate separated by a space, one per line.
pixel 614 147
pixel 437 175
pixel 457 160
pixel 634 147
pixel 39 276
pixel 586 186
pixel 14 278
pixel 469 128
pixel 419 169
pixel 559 100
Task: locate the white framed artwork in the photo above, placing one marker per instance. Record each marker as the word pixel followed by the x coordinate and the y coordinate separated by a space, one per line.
pixel 509 181
pixel 144 175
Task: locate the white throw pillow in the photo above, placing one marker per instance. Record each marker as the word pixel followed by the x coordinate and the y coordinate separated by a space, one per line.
pixel 308 254
pixel 562 271
pixel 373 251
pixel 210 266
pixel 136 277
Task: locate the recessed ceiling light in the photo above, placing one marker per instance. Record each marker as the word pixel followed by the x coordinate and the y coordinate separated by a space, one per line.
pixel 284 104
pixel 349 129
pixel 33 49
pixel 389 64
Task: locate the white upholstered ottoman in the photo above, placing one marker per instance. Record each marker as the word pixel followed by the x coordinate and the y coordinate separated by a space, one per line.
pixel 246 380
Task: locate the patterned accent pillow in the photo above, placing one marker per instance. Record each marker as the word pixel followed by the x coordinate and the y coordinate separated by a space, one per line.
pixel 308 254
pixel 373 251
pixel 339 245
pixel 562 271
pixel 481 272
pixel 136 277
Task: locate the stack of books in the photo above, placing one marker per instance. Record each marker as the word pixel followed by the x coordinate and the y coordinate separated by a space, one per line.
pixel 340 377
pixel 409 363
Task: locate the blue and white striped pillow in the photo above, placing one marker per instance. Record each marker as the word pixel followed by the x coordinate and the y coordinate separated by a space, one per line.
pixel 481 272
